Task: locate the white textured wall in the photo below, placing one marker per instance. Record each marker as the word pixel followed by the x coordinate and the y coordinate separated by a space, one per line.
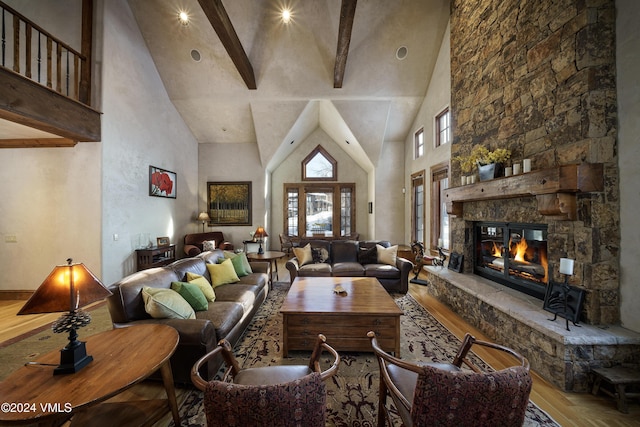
pixel 290 170
pixel 140 127
pixel 233 162
pixel 628 82
pixel 438 97
pixel 50 201
pixel 389 199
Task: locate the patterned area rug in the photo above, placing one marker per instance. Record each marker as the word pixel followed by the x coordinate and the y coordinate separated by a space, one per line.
pixel 353 391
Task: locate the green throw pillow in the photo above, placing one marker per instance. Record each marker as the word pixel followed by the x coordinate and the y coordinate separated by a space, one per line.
pixel 237 265
pixel 163 303
pixel 192 293
pixel 203 284
pixel 246 267
pixel 222 274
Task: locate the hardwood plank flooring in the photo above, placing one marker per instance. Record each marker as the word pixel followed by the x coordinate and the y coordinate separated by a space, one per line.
pixel 568 409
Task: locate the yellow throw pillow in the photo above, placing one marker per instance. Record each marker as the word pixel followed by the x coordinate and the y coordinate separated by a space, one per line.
pixel 223 273
pixel 387 255
pixel 304 255
pixel 203 284
pixel 163 303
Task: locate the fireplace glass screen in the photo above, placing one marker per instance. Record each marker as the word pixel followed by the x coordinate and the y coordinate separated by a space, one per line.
pixel 514 255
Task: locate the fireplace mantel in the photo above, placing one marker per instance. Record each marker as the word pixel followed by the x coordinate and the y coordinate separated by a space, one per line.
pixel 555 189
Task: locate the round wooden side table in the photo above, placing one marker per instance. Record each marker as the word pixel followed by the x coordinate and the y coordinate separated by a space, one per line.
pixel 272 257
pixel 121 358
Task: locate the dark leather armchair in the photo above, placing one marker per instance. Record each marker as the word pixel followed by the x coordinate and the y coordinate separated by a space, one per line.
pixel 288 395
pixel 193 242
pixel 448 394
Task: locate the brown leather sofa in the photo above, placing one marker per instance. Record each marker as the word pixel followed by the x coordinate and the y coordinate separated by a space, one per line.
pixel 350 258
pixel 227 316
pixel 193 242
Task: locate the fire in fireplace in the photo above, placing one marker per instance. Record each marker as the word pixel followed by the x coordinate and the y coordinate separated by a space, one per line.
pixel 514 255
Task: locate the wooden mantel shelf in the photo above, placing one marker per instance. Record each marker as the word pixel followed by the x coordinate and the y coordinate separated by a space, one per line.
pixel 554 188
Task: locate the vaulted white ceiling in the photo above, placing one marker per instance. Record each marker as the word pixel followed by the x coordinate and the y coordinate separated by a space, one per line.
pixel 294 71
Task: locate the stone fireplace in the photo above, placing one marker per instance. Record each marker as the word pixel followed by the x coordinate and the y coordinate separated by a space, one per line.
pixel 538 78
pixel 514 255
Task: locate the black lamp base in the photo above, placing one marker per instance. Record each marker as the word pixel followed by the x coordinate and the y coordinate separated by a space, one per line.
pixel 73 357
pixel 260 250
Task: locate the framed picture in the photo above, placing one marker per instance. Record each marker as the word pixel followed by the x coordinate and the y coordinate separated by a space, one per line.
pixel 456 261
pixel 163 241
pixel 229 203
pixel 564 300
pixel 162 183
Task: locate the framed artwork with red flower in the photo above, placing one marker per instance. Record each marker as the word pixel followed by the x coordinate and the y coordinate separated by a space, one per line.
pixel 162 183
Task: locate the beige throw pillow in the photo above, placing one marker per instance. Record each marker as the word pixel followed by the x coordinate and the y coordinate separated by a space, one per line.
pixel 163 303
pixel 304 255
pixel 387 255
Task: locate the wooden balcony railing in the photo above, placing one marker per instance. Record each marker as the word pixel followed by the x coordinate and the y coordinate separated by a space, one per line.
pixel 36 54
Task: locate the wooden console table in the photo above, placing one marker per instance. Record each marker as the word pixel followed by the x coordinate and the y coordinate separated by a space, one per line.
pixel 120 362
pixel 155 257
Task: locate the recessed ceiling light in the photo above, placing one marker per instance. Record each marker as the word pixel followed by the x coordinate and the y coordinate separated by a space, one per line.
pixel 401 53
pixel 183 17
pixel 195 55
pixel 286 16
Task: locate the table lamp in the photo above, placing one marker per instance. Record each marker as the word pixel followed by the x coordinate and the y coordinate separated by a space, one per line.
pixel 204 217
pixel 260 233
pixel 68 287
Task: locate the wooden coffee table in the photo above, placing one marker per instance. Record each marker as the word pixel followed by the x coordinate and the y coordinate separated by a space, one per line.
pixel 121 359
pixel 312 307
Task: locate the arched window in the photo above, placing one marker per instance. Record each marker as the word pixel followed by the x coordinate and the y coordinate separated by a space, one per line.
pixel 319 166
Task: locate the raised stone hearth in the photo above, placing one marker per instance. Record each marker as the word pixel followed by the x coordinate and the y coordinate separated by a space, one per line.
pixel 565 358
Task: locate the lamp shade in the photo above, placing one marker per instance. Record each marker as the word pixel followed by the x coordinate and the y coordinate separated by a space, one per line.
pixel 260 232
pixel 67 288
pixel 203 216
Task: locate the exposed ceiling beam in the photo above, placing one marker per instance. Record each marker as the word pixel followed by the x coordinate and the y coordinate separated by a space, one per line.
pixel 37 143
pixel 221 23
pixel 347 13
pixel 34 105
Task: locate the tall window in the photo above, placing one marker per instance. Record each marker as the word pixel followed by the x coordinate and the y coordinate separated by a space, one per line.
pixel 439 217
pixel 346 201
pixel 291 226
pixel 326 209
pixel 443 127
pixel 419 142
pixel 417 207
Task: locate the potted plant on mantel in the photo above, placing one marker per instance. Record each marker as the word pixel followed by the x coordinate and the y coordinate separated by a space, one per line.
pixel 490 163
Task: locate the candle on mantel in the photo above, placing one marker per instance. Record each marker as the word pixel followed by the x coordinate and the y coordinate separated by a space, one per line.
pixel 566 266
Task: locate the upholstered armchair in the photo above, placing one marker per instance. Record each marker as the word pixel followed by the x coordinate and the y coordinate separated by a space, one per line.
pixel 448 394
pixel 194 243
pixel 287 395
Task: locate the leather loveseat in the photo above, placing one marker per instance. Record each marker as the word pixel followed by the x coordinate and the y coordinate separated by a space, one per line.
pixel 350 258
pixel 226 317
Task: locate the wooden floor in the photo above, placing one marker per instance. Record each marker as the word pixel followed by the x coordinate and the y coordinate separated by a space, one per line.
pixel 568 409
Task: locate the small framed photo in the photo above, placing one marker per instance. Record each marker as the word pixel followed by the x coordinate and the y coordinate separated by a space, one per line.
pixel 162 183
pixel 456 262
pixel 163 241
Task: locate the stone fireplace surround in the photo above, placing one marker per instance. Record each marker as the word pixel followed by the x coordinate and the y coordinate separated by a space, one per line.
pixel 564 358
